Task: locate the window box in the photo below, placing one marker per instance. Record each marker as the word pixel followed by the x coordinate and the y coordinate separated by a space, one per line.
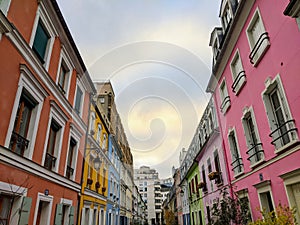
pixel 89 181
pixel 103 190
pixel 213 175
pixel 201 185
pixel 97 185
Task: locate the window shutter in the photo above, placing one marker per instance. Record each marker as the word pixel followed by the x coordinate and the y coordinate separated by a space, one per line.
pixel 71 216
pixel 24 211
pixel 40 41
pixel 58 214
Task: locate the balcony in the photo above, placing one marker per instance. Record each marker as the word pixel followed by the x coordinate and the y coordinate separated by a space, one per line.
pixel 18 144
pixel 49 161
pixel 225 104
pixel 238 82
pixel 259 48
pixel 283 134
pixel 69 172
pixel 237 166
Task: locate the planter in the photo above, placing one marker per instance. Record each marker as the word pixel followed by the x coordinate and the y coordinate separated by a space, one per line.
pixel 103 189
pixel 213 175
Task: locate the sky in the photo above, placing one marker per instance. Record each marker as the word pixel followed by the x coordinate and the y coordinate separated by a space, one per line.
pixel 156 54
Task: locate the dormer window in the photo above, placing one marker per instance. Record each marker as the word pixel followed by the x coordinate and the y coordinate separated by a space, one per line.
pixel 226 17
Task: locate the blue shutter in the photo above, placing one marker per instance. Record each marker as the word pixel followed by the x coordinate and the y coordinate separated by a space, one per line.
pixel 24 211
pixel 71 216
pixel 58 214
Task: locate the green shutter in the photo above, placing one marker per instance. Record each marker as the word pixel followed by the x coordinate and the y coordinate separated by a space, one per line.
pixel 71 216
pixel 58 214
pixel 40 41
pixel 24 211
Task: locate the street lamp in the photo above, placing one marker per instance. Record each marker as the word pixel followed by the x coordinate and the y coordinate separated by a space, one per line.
pixel 97 163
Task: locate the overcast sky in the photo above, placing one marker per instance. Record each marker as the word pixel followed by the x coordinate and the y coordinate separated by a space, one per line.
pixel 156 54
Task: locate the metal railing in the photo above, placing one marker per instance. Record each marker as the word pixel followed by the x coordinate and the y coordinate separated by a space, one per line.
pixel 283 132
pixel 237 80
pixel 257 150
pixel 18 143
pixel 49 161
pixel 224 102
pixel 262 37
pixel 69 172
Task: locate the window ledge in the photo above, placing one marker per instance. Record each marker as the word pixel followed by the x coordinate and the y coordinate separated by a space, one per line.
pixel 238 174
pixel 256 164
pixel 256 58
pixel 287 146
pixel 226 103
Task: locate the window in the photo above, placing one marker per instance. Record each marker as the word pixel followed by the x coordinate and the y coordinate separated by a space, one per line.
pixel 70 159
pixel 52 143
pixel 293 10
pixel 219 179
pixel 43 209
pixel 99 131
pixel 6 202
pixel 226 17
pixel 237 163
pixel 266 201
pixel 238 74
pixel 24 120
pixel 40 42
pixel 225 99
pixel 43 36
pixel 255 151
pixel 283 131
pixel 78 100
pixel 64 72
pixel 104 144
pixel 258 38
pixel 245 203
pixel 204 179
pixel 18 141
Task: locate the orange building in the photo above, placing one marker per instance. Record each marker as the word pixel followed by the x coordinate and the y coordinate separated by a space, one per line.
pixel 44 104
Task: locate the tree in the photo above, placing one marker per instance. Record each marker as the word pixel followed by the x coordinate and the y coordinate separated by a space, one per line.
pixel 230 210
pixel 170 217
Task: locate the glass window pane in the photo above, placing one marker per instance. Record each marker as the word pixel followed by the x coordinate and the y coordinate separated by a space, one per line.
pixel 40 41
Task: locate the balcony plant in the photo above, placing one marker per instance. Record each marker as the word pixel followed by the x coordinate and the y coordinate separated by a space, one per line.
pixel 103 189
pixel 97 185
pixel 201 185
pixel 213 175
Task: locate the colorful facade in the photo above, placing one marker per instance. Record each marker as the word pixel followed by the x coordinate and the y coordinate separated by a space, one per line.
pixel 45 93
pixel 254 84
pixel 94 189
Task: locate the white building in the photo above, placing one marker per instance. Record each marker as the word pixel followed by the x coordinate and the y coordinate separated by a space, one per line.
pixel 148 183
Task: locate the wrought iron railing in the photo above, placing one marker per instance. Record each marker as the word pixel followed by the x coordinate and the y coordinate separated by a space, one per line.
pixel 256 152
pixel 69 172
pixel 264 36
pixel 282 132
pixel 18 143
pixel 237 80
pixel 237 164
pixel 49 161
pixel 224 102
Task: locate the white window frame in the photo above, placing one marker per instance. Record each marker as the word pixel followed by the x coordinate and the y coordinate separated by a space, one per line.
pixel 262 188
pixel 44 198
pixel 270 86
pixel 60 118
pixel 80 86
pixel 11 189
pixel 76 135
pixel 33 87
pixel 223 96
pixel 265 44
pixel 244 194
pixel 99 133
pixel 249 112
pixel 232 131
pixel 226 9
pixel 42 15
pixel 92 123
pixel 68 203
pixel 65 59
pixel 238 77
pixel 4 6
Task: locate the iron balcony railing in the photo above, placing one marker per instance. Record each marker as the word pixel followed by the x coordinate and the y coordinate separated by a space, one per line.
pixel 224 102
pixel 49 161
pixel 237 80
pixel 18 143
pixel 282 132
pixel 237 164
pixel 69 172
pixel 264 36
pixel 255 152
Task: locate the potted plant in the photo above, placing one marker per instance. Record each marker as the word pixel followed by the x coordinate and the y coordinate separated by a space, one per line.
pixel 213 175
pixel 103 189
pixel 201 185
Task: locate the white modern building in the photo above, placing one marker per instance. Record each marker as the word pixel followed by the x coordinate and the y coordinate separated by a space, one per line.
pixel 148 183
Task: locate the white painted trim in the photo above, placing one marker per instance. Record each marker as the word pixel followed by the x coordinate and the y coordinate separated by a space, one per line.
pixel 263 189
pixel 80 86
pixel 68 203
pixel 59 117
pixel 36 91
pixel 43 15
pixel 241 83
pixel 29 166
pixel 4 6
pixel 226 94
pixel 32 60
pixel 76 137
pixel 44 198
pixel 93 194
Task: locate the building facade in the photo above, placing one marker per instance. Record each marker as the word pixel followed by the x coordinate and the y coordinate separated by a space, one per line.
pixel 45 92
pixel 255 67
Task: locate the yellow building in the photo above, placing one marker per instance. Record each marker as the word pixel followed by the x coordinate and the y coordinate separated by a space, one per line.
pixel 95 171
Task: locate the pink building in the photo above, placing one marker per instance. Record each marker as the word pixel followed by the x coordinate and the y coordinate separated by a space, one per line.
pixel 254 82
